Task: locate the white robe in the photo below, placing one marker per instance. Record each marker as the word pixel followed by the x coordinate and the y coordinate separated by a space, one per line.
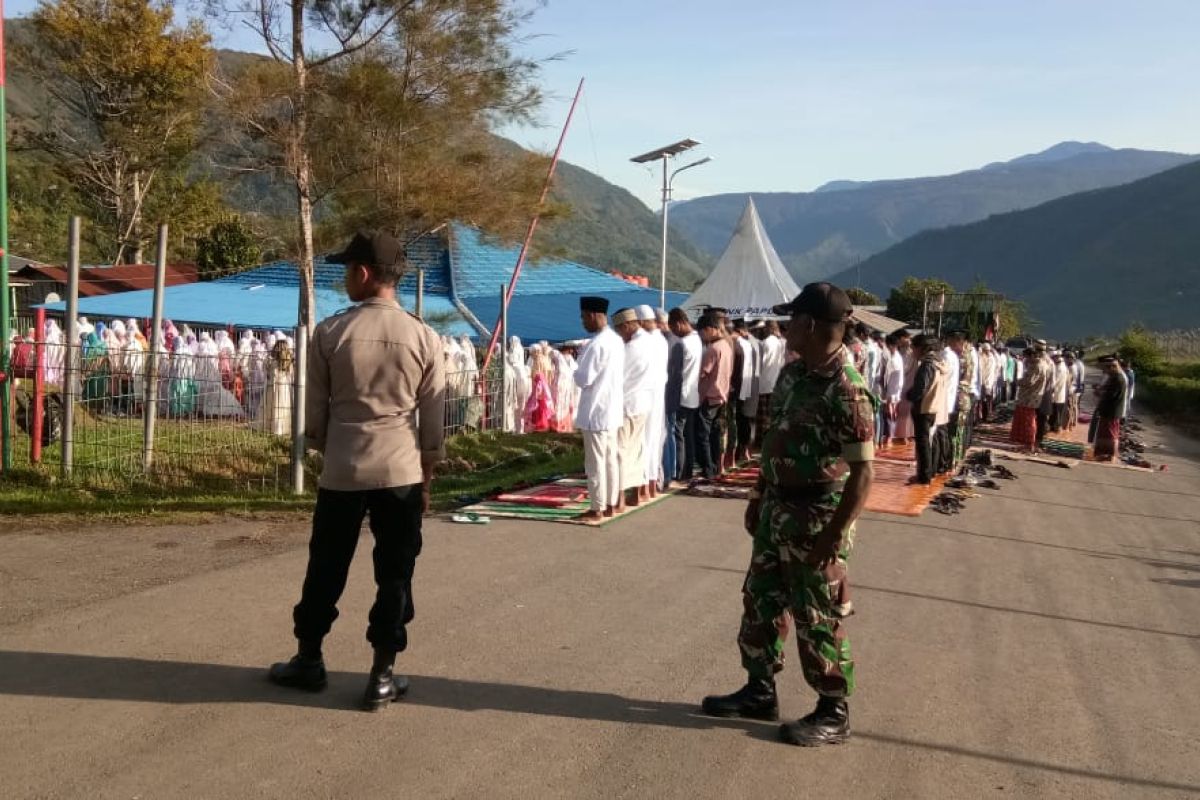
pixel 656 421
pixel 600 376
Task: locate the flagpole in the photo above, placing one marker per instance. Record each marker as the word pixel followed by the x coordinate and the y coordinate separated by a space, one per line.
pixel 5 299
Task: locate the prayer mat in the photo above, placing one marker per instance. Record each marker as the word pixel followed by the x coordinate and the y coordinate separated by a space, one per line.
pixel 732 485
pixel 906 451
pixel 891 493
pixel 564 500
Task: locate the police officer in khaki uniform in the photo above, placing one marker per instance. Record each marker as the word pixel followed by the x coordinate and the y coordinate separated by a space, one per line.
pixel 374 408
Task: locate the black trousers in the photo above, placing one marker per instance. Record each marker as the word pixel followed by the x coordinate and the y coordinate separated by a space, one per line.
pixel 686 420
pixel 396 525
pixel 709 434
pixel 1058 417
pixel 1043 422
pixel 924 430
pixel 943 448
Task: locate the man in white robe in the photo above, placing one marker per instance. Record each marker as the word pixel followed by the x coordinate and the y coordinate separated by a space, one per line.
pixel 638 398
pixel 600 376
pixel 656 420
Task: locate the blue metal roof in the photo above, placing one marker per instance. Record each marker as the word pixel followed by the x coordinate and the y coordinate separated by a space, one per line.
pixel 472 269
pixel 225 303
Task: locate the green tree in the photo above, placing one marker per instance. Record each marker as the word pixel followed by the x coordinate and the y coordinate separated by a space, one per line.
pixel 379 108
pixel 907 302
pixel 127 88
pixel 1139 346
pixel 229 246
pixel 861 297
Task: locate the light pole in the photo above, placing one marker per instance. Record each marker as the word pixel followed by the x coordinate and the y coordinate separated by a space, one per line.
pixel 665 154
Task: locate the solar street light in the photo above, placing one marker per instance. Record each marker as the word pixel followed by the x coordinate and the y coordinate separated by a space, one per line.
pixel 665 154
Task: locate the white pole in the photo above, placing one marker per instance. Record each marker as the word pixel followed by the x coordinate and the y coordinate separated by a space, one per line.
pixel 666 191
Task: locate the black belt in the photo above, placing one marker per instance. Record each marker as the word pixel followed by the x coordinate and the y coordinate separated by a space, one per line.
pixel 806 492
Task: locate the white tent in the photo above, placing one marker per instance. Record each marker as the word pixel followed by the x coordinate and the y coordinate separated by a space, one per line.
pixel 749 278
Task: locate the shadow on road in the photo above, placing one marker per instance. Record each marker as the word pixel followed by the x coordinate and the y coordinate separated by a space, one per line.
pixel 67 675
pixel 858 587
pixel 87 677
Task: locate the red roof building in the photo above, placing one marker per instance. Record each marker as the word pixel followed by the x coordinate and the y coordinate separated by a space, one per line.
pixel 45 279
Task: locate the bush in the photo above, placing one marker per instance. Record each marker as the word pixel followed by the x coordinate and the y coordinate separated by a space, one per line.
pixel 1138 347
pixel 1187 369
pixel 1169 395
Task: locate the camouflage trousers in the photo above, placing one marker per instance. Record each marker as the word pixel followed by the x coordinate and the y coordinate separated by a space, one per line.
pixel 779 581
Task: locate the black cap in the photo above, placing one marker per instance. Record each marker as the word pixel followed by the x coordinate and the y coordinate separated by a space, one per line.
pixel 374 248
pixel 595 305
pixel 717 310
pixel 821 301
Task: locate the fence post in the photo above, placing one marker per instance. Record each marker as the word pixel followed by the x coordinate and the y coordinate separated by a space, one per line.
pixel 298 390
pixel 150 393
pixel 503 356
pixel 71 353
pixel 421 293
pixel 39 386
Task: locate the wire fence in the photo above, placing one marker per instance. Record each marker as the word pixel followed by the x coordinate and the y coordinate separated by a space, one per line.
pixel 220 422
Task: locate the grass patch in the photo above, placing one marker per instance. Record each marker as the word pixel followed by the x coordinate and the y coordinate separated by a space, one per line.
pixel 477 464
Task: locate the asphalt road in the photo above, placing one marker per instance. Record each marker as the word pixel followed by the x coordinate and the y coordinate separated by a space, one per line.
pixel 1044 643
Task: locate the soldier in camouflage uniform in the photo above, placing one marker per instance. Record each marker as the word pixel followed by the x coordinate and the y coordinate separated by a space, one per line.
pixel 816 472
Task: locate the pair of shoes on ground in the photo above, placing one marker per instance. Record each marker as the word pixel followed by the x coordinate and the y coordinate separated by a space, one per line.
pixel 829 723
pixel 306 671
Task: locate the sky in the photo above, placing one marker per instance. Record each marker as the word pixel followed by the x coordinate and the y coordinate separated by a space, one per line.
pixel 789 94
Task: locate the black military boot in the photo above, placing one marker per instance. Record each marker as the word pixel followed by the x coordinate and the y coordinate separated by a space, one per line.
pixel 306 670
pixel 383 687
pixel 755 700
pixel 828 724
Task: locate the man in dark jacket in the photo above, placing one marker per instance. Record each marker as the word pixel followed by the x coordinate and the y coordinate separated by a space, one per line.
pixel 926 400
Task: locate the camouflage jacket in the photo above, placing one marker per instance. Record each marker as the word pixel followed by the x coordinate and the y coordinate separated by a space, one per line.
pixel 966 380
pixel 820 419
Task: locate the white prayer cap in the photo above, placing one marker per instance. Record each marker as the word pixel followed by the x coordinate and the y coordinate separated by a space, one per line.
pixel 645 314
pixel 661 315
pixel 625 315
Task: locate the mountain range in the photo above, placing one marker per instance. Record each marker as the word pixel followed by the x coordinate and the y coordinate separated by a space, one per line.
pixel 1090 263
pixel 825 231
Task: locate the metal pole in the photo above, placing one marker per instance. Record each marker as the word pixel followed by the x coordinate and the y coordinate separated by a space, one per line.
pixel 150 393
pixel 925 312
pixel 5 299
pixel 420 292
pixel 666 196
pixel 501 411
pixel 71 353
pixel 533 223
pixel 298 389
pixel 39 387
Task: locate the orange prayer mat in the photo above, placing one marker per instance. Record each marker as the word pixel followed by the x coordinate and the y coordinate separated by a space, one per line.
pixel 892 494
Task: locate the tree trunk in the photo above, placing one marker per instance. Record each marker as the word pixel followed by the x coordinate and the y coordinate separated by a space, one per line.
pixel 302 167
pixel 135 223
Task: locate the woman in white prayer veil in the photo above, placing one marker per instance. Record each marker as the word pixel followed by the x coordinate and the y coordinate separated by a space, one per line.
pixel 135 366
pixel 473 413
pixel 516 386
pixel 55 352
pixel 215 400
pixel 256 378
pixel 564 393
pixel 452 355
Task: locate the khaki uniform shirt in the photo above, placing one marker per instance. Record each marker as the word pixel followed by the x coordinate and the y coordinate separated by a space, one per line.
pixel 375 401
